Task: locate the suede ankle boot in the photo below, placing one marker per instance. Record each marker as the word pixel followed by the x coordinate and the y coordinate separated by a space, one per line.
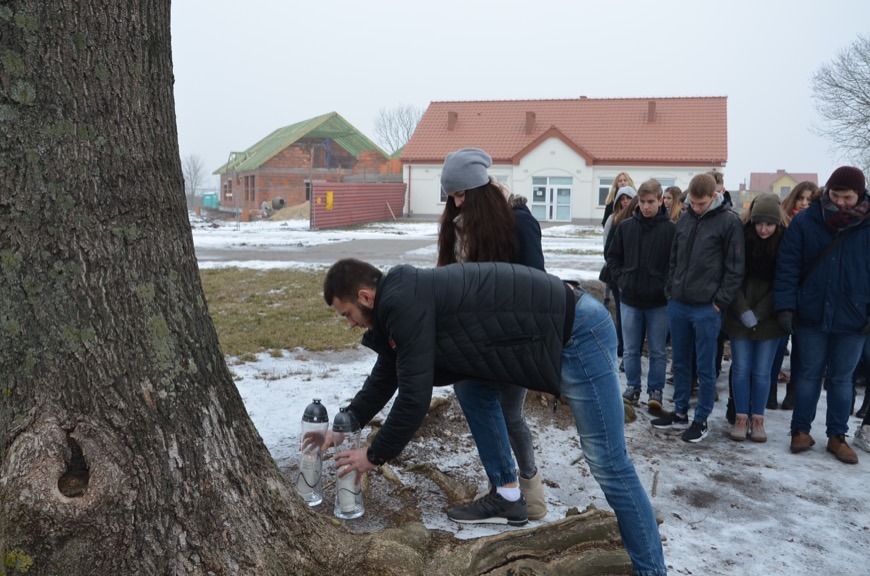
pixel 757 433
pixel 533 491
pixel 738 431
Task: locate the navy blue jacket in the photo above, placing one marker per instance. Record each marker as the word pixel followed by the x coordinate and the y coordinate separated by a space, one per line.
pixel 835 295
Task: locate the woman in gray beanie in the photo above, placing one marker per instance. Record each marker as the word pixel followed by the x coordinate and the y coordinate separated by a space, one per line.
pixel 750 320
pixel 480 224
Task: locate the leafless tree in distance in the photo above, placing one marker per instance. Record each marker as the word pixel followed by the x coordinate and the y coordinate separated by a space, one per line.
pixel 194 176
pixel 393 127
pixel 841 90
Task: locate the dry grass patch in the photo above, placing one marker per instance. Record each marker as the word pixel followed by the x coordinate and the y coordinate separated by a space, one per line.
pixel 270 310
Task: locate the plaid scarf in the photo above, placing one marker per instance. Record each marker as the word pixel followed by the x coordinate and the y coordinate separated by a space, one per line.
pixel 837 219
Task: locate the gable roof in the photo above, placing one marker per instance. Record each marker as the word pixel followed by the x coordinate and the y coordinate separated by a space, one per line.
pixel 606 130
pixel 331 126
pixel 763 181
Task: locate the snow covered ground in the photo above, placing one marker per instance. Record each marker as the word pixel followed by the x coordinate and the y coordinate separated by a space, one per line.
pixel 727 507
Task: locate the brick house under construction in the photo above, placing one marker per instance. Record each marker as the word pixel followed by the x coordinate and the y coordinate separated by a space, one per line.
pixel 284 164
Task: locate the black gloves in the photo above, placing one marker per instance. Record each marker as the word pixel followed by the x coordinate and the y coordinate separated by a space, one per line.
pixel 786 321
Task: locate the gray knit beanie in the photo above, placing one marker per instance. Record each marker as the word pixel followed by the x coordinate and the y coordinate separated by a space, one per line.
pixel 465 169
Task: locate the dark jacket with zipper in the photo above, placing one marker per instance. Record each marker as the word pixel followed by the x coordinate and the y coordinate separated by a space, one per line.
pixel 707 257
pixel 835 295
pixel 495 322
pixel 638 259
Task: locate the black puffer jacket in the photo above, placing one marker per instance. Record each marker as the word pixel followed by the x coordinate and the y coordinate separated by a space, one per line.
pixel 435 326
pixel 638 259
pixel 707 257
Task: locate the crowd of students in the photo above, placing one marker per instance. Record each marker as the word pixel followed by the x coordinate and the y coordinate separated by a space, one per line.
pixel 792 269
pixel 681 265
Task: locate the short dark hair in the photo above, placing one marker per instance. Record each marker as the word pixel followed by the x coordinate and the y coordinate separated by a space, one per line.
pixel 702 185
pixel 347 277
pixel 651 186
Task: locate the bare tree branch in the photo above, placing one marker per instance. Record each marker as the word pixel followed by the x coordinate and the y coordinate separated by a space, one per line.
pixel 194 175
pixel 841 90
pixel 393 128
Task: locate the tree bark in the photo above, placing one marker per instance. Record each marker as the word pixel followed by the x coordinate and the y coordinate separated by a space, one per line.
pixel 124 445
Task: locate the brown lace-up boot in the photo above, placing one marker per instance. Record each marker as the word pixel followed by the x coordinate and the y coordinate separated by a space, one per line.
pixel 800 442
pixel 844 453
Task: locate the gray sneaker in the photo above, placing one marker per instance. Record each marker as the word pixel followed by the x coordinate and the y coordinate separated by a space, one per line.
pixel 655 400
pixel 631 396
pixel 491 509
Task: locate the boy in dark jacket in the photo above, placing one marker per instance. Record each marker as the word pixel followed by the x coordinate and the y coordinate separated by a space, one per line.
pixel 821 292
pixel 706 270
pixel 500 323
pixel 638 262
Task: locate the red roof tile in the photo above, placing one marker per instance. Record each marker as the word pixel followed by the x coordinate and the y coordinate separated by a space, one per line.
pixel 763 181
pixel 605 130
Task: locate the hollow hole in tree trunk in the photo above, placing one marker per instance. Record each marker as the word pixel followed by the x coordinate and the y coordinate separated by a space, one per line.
pixel 75 480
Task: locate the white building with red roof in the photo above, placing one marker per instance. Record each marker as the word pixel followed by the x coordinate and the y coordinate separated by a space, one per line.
pixel 563 155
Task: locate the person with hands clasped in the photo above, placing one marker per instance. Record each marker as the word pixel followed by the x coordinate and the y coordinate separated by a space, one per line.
pixel 822 297
pixel 705 272
pixel 751 322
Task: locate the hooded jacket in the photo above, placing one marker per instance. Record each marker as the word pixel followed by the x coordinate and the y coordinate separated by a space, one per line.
pixel 495 322
pixel 707 257
pixel 638 259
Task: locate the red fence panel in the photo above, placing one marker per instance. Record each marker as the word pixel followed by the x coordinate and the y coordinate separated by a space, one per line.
pixel 336 204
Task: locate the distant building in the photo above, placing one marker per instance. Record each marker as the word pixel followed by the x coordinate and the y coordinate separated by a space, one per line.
pixel 780 182
pixel 564 155
pixel 284 164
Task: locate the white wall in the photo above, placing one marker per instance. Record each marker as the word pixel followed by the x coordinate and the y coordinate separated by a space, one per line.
pixel 553 158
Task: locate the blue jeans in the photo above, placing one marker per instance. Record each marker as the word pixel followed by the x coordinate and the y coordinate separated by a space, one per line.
pixel 750 373
pixel 839 353
pixel 495 418
pixel 590 384
pixel 694 327
pixel 654 322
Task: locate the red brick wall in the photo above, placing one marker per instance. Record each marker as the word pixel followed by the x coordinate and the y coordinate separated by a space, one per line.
pixel 284 175
pixel 355 203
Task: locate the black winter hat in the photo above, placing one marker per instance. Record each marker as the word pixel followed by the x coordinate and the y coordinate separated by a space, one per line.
pixel 847 177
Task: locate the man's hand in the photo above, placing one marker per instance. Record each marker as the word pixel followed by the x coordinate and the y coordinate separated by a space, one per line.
pixel 786 321
pixel 353 461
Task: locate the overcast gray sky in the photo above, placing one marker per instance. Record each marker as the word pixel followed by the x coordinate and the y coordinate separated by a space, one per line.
pixel 244 69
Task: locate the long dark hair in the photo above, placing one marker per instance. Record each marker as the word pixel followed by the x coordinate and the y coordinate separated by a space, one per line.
pixel 761 252
pixel 488 226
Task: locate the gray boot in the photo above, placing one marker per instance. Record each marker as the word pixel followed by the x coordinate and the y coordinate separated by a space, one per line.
pixel 533 492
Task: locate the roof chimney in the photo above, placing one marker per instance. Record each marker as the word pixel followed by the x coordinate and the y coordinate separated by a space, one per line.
pixel 530 122
pixel 651 111
pixel 452 119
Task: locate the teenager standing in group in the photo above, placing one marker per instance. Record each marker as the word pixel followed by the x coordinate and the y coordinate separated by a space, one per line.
pixel 822 298
pixel 751 322
pixel 480 224
pixel 797 201
pixel 638 263
pixel 706 269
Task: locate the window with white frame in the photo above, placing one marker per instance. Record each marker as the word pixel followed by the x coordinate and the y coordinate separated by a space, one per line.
pixel 604 185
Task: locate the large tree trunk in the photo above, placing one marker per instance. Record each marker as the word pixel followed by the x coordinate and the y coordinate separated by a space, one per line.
pixel 124 445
